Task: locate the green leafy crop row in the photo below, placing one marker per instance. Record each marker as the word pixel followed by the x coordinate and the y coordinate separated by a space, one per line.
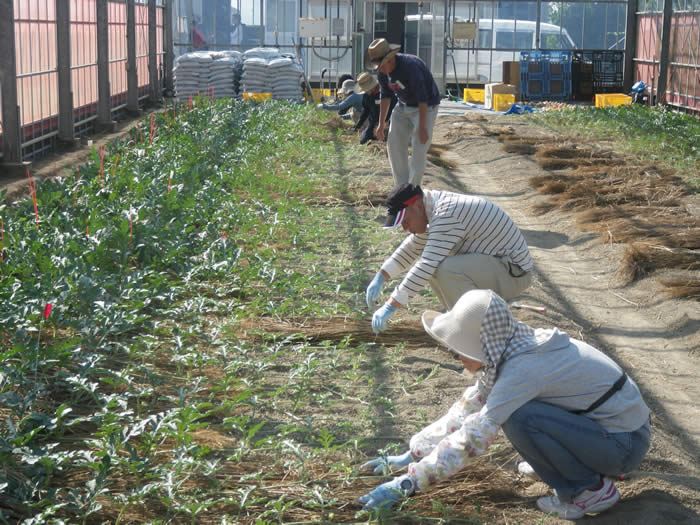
pixel 149 254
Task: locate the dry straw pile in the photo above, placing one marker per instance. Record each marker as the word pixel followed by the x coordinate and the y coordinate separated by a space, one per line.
pixel 624 201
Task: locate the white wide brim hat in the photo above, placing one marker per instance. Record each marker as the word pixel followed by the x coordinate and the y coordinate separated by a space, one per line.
pixel 347 87
pixel 460 328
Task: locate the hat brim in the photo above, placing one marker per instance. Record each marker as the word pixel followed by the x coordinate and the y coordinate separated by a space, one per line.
pixel 358 89
pixel 394 220
pixel 375 64
pixel 428 318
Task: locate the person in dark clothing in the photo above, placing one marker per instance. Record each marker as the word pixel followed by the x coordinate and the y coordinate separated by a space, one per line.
pixel 408 78
pixel 368 86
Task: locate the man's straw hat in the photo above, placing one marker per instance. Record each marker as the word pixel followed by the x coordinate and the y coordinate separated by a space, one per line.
pixel 380 51
pixel 365 83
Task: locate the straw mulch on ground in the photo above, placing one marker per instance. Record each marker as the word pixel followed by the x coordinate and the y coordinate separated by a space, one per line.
pixel 336 329
pixel 622 200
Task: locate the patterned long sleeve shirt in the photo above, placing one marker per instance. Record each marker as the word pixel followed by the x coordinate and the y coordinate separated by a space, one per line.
pixel 447 446
pixel 458 224
pixel 570 374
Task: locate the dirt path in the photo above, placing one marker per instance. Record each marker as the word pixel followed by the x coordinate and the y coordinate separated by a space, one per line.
pixel 653 337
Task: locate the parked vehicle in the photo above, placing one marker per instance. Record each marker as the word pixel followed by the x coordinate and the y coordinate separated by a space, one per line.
pixel 497 41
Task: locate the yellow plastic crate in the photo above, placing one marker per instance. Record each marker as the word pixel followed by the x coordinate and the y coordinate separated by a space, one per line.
pixel 474 95
pixel 611 99
pixel 503 101
pixel 321 93
pixel 256 97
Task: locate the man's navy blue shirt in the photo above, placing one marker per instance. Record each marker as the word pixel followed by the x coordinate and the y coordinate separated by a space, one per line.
pixel 412 82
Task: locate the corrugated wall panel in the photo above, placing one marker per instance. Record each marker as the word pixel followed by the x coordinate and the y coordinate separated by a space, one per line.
pixel 683 80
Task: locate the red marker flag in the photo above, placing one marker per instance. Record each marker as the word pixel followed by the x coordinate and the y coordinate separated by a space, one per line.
pixel 47 310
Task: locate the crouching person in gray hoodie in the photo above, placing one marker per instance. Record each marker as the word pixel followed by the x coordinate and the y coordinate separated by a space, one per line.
pixel 571 412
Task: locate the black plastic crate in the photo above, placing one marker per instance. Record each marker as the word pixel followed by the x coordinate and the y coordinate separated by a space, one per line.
pixel 608 67
pixel 608 62
pixel 582 75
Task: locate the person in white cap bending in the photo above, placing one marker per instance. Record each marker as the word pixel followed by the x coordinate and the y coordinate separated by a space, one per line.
pixel 413 119
pixel 352 100
pixel 457 243
pixel 570 411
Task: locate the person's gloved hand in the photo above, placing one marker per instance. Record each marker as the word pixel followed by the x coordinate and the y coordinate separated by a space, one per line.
pixel 386 494
pixel 319 106
pixel 381 316
pixel 387 464
pixel 374 288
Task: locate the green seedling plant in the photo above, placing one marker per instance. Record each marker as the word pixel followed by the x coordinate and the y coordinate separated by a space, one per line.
pixel 156 386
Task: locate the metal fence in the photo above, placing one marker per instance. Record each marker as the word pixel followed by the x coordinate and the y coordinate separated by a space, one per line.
pixel 54 85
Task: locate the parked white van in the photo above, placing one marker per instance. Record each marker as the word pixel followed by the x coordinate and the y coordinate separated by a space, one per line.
pixel 497 41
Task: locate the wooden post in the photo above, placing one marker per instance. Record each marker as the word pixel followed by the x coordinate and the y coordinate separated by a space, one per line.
pixel 104 96
pixel 66 132
pixel 630 45
pixel 168 49
pixel 665 52
pixel 132 78
pixel 11 137
pixel 154 80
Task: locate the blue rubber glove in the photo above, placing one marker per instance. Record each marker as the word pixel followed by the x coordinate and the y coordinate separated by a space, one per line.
pixel 387 464
pixel 381 316
pixel 386 494
pixel 373 289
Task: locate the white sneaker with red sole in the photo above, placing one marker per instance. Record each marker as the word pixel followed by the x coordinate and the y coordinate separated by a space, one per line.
pixel 588 502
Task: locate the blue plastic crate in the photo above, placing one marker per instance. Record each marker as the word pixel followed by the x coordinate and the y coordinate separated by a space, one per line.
pixel 532 88
pixel 559 70
pixel 559 89
pixel 545 88
pixel 558 56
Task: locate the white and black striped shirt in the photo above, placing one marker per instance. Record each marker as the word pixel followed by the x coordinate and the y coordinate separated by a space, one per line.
pixel 458 224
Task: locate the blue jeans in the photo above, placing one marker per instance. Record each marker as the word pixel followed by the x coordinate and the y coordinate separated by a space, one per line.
pixel 570 452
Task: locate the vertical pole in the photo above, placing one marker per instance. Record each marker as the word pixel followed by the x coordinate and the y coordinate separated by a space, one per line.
pixel 262 24
pixel 156 90
pixel 537 26
pixel 104 106
pixel 169 50
pixel 132 78
pixel 65 86
pixel 445 33
pixel 630 45
pixel 665 53
pixel 11 144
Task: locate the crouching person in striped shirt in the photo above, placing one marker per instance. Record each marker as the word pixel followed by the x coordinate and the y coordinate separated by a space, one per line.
pixel 457 243
pixel 570 411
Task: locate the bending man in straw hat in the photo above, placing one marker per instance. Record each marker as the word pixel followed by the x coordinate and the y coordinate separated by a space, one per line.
pixel 471 243
pixel 575 417
pixel 368 86
pixel 412 122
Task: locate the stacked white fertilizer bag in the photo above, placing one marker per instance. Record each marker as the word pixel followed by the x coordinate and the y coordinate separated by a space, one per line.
pixel 254 78
pixel 221 77
pixel 265 70
pixel 191 74
pixel 285 75
pixel 207 73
